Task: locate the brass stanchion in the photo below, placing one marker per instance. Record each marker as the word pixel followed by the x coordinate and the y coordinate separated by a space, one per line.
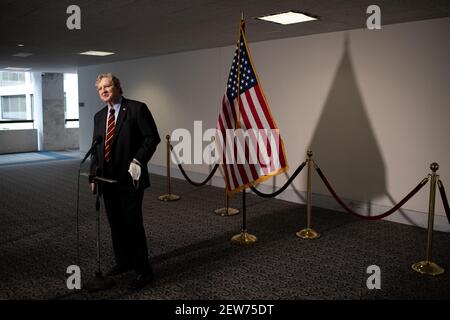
pixel 308 232
pixel 226 211
pixel 427 266
pixel 244 237
pixel 168 196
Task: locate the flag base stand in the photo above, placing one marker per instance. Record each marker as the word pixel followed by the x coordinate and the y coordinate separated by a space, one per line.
pixel 99 282
pixel 427 267
pixel 308 233
pixel 169 197
pixel 224 212
pixel 244 238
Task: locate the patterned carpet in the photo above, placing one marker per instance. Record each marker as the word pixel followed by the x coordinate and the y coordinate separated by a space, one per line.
pixel 35 157
pixel 190 247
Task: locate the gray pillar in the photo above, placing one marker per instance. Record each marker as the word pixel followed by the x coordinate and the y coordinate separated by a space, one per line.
pixel 37 107
pixel 53 128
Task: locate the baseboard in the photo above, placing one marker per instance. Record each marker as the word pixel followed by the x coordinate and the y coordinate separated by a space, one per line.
pixel 404 216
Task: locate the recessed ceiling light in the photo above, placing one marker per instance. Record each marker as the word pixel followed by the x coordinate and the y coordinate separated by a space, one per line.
pixel 17 69
pixel 21 45
pixel 288 17
pixel 97 53
pixel 22 54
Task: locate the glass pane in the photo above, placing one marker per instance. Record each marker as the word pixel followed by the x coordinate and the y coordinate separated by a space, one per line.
pixel 14 107
pixel 72 124
pixel 16 126
pixel 11 78
pixel 71 99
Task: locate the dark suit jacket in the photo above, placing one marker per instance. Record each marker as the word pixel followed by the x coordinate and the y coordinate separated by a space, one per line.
pixel 135 136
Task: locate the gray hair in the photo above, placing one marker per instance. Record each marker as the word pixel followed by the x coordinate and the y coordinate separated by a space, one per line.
pixel 113 78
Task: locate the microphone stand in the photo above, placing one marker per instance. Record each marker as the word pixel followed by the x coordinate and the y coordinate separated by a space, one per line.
pixel 99 282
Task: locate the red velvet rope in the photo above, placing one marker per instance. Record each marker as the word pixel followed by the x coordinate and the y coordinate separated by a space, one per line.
pixel 444 199
pixel 274 194
pixel 381 216
pixel 198 184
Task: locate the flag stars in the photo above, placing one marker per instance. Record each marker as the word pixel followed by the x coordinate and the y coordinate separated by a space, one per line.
pixel 242 76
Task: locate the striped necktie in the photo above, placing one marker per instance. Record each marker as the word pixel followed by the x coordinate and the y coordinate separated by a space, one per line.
pixel 109 134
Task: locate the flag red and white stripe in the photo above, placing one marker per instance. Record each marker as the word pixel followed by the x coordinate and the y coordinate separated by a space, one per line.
pixel 244 107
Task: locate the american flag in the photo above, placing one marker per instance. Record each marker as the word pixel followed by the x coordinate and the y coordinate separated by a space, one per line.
pixel 263 152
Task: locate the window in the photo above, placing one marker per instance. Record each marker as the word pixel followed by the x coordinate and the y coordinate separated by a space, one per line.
pixel 71 100
pixel 11 78
pixel 16 110
pixel 14 107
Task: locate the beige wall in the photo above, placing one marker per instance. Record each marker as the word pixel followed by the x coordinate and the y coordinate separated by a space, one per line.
pixel 373 105
pixel 12 141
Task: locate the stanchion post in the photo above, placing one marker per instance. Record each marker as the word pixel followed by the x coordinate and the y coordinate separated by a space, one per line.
pixel 168 196
pixel 427 266
pixel 308 232
pixel 226 211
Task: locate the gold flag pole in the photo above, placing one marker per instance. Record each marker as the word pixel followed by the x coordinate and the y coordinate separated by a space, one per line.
pixel 244 237
pixel 168 196
pixel 308 232
pixel 427 266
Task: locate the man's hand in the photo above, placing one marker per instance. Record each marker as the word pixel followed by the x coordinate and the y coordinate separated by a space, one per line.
pixel 135 171
pixel 93 187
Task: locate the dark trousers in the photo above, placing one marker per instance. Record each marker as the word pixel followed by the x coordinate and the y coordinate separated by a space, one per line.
pixel 124 210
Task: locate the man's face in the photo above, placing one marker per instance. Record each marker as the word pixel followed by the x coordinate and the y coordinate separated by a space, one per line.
pixel 107 91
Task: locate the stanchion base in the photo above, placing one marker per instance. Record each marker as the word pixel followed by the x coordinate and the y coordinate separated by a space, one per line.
pixel 427 267
pixel 169 197
pixel 308 233
pixel 244 238
pixel 224 212
pixel 99 282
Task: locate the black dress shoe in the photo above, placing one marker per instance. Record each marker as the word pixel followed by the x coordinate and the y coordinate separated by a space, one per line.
pixel 140 281
pixel 116 270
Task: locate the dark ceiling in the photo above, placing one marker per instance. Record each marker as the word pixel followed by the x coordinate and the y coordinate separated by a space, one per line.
pixel 137 28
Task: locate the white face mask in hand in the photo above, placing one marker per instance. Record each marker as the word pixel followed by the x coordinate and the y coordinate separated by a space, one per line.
pixel 135 171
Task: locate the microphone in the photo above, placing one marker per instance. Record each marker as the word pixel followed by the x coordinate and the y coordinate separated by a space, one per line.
pixel 95 142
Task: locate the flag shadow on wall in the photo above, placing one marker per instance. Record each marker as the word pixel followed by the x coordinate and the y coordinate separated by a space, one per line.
pixel 344 143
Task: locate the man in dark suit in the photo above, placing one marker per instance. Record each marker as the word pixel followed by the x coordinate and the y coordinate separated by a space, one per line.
pixel 129 137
